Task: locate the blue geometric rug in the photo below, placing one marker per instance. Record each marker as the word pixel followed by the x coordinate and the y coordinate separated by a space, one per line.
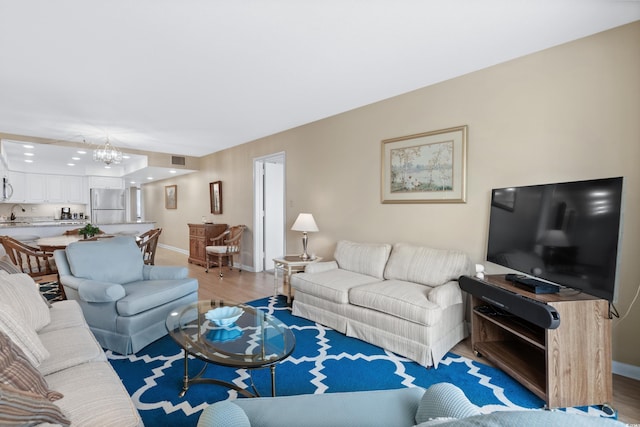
pixel 324 361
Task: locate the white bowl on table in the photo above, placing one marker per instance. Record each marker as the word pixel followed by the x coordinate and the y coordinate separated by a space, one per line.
pixel 224 316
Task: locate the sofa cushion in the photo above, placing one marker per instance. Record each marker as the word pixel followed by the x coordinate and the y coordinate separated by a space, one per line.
pixel 115 260
pixel 527 418
pixel 331 285
pixel 24 408
pixel 65 314
pixel 16 371
pixel 405 300
pixel 147 294
pixel 69 347
pixel 428 266
pixel 25 298
pixel 363 258
pixel 94 396
pixel 24 337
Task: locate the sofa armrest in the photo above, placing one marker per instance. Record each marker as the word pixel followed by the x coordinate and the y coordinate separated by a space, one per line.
pixel 164 272
pixel 319 267
pixel 94 291
pixel 446 295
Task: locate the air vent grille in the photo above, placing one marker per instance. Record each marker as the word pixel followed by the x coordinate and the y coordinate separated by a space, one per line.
pixel 178 160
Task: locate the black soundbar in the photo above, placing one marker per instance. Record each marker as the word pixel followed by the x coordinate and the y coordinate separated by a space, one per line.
pixel 526 308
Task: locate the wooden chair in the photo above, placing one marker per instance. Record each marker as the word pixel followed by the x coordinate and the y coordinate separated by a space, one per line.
pixel 29 259
pixel 148 242
pixel 226 246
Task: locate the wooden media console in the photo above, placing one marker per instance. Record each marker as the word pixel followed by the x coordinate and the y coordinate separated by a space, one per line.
pixel 566 366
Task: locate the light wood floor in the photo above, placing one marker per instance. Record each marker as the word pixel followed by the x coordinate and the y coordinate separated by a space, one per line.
pixel 245 286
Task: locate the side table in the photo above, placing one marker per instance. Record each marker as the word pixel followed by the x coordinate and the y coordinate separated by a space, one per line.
pixel 289 264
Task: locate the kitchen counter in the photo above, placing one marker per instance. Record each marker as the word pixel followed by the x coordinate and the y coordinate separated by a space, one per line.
pixel 28 231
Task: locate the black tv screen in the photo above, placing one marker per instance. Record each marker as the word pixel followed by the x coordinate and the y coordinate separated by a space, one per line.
pixel 564 233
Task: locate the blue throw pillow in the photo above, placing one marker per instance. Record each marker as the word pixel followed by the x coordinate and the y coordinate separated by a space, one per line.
pixel 223 414
pixel 444 400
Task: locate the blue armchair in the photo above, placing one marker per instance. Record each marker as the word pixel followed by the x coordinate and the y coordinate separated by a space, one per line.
pixel 124 301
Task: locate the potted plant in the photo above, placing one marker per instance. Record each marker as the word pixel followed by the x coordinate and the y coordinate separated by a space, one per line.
pixel 89 231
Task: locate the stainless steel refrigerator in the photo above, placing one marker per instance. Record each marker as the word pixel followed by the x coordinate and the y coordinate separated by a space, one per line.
pixel 107 206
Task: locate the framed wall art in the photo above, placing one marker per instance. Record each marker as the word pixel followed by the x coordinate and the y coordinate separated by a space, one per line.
pixel 428 167
pixel 215 192
pixel 171 196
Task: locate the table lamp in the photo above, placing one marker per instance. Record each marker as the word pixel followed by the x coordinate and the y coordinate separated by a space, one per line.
pixel 306 224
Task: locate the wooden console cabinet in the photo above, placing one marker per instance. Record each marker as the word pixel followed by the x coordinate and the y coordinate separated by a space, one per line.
pixel 199 238
pixel 566 366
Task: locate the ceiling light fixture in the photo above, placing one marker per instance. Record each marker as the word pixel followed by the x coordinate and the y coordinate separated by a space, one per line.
pixel 107 154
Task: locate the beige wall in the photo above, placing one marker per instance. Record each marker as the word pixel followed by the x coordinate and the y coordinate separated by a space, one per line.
pixel 567 113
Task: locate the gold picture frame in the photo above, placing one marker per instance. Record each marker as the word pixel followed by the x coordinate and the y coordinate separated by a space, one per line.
pixel 171 197
pixel 215 194
pixel 429 167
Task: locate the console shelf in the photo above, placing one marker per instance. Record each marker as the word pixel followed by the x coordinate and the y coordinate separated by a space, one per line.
pixel 566 366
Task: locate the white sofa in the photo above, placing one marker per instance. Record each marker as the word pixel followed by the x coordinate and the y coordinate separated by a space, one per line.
pixel 406 300
pixel 51 346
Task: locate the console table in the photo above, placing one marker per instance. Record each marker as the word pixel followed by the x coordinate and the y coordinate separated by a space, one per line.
pixel 200 236
pixel 566 366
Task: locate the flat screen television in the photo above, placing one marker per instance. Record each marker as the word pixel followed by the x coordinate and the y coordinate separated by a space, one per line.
pixel 564 233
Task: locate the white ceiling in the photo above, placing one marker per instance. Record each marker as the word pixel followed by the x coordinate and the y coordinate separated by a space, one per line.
pixel 194 77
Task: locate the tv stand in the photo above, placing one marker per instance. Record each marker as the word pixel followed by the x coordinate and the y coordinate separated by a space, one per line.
pixel 566 366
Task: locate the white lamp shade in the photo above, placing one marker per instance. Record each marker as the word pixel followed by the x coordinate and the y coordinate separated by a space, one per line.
pixel 305 222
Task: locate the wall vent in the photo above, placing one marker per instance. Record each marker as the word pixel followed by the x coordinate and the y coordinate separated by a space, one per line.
pixel 178 160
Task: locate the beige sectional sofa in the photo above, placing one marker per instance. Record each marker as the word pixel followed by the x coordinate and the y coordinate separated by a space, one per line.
pixel 48 350
pixel 404 298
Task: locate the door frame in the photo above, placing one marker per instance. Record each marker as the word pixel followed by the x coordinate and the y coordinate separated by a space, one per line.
pixel 258 206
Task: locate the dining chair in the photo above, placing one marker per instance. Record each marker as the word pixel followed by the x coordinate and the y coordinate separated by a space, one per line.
pixel 31 260
pixel 228 245
pixel 148 242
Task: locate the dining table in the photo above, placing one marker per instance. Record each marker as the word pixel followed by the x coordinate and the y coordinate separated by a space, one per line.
pixel 50 244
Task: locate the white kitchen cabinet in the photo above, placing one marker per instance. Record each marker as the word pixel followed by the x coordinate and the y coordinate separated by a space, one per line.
pixel 106 182
pixel 41 188
pixel 54 188
pixel 17 181
pixel 35 188
pixel 76 190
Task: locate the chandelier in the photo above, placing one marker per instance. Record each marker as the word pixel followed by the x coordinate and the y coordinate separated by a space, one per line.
pixel 107 154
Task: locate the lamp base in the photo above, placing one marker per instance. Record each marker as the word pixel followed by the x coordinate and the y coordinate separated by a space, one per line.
pixel 305 256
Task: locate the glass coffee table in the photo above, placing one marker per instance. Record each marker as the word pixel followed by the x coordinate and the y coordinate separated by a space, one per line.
pixel 255 340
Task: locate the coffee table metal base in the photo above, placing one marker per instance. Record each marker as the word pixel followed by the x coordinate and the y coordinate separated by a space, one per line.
pixel 197 379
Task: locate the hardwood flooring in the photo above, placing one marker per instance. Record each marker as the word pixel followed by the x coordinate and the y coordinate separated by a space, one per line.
pixel 246 286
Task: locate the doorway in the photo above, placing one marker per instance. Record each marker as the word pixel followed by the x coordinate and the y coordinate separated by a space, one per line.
pixel 269 210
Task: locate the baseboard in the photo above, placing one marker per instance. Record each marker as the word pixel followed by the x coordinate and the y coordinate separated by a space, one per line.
pixel 173 248
pixel 186 252
pixel 626 370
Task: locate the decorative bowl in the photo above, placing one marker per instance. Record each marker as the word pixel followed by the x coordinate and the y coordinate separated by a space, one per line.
pixel 224 316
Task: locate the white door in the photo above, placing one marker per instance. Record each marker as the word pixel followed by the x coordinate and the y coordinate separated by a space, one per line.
pixel 269 215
